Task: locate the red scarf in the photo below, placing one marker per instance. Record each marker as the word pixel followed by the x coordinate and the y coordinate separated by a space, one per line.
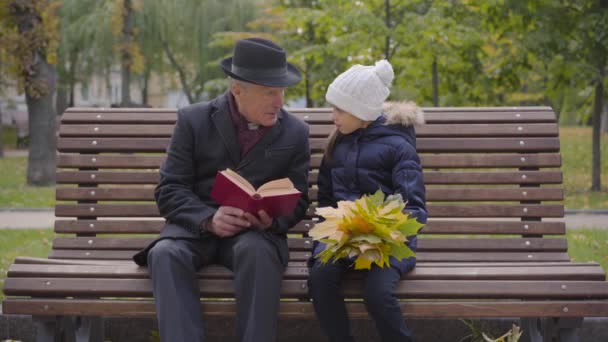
pixel 246 137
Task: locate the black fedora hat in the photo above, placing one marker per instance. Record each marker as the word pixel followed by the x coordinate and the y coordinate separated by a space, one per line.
pixel 261 61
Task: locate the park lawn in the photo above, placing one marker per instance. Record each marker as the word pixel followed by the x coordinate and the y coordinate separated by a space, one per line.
pixel 584 245
pixel 575 146
pixel 22 242
pixel 14 193
pixel 576 165
pixel 9 137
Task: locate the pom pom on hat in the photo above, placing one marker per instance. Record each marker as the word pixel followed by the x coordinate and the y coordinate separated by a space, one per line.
pixel 361 90
pixel 384 70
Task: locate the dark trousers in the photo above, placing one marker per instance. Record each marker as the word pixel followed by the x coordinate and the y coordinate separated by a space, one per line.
pixel 378 285
pixel 257 269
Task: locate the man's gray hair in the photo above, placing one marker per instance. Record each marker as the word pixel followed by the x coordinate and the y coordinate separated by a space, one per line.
pixel 233 80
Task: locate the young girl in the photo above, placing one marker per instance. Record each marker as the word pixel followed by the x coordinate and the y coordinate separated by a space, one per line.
pixel 370 150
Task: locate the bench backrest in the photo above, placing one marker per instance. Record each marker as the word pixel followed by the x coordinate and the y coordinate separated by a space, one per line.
pixel 493 179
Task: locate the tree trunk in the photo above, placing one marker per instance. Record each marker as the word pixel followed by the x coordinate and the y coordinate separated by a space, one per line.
pixel 387 22
pixel 596 183
pixel 61 101
pixel 309 102
pixel 125 80
pixel 435 84
pixel 42 118
pixel 180 71
pixel 144 88
pixel 1 139
pixel 605 121
pixel 125 64
pixel 71 79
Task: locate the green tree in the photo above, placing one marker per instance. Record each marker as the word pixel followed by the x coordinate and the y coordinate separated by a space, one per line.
pixel 30 39
pixel 571 39
pixel 131 58
pixel 75 40
pixel 185 31
pixel 423 39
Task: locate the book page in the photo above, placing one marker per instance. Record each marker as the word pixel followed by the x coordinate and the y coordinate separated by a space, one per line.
pixel 239 180
pixel 283 185
pixel 278 192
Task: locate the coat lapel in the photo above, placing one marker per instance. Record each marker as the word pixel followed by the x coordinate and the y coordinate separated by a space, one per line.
pixel 223 124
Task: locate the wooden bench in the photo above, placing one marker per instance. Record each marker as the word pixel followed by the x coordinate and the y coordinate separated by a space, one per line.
pixel 493 179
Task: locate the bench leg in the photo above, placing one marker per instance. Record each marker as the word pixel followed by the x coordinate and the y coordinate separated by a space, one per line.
pixel 45 328
pixel 69 329
pixel 89 329
pixel 532 329
pixel 53 329
pixel 551 329
pixel 569 329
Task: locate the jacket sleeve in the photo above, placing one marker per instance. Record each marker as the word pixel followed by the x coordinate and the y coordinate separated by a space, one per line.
pixel 325 194
pixel 408 180
pixel 298 174
pixel 174 194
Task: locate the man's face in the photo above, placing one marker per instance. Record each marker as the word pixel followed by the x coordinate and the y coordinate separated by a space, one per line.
pixel 259 104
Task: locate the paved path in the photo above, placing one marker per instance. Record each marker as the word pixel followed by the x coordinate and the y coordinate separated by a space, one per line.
pixel 43 218
pixel 15 153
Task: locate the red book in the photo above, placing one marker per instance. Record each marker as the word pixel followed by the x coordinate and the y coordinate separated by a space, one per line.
pixel 278 197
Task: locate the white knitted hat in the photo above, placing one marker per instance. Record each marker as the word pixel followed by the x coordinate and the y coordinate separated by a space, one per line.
pixel 361 90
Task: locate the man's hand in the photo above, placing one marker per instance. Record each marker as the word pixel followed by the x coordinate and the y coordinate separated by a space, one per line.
pixel 262 222
pixel 228 221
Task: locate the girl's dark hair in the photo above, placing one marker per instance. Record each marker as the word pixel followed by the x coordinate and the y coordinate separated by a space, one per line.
pixel 331 144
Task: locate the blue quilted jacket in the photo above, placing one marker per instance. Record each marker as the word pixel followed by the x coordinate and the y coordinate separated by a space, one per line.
pixel 381 156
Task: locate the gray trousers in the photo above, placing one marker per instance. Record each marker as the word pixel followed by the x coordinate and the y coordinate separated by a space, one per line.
pixel 257 269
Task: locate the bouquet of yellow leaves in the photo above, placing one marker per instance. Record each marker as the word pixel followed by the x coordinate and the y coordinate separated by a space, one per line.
pixel 372 229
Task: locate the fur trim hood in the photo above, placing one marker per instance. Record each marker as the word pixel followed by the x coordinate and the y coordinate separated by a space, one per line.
pixel 403 113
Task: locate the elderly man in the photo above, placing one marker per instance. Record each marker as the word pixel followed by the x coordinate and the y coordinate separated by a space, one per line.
pixel 245 130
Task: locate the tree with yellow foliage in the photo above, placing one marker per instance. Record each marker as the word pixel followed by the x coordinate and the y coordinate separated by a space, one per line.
pixel 28 45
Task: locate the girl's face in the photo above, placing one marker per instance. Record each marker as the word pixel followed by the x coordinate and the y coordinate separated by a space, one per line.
pixel 345 122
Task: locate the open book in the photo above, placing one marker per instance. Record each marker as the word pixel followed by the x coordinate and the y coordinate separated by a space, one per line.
pixel 278 197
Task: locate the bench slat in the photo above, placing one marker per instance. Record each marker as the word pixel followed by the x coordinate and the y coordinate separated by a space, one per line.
pixel 445 116
pixel 432 194
pixel 492 177
pixel 159 145
pixel 562 272
pixel 304 256
pixel 435 210
pixel 444 130
pixel 430 177
pixel 433 226
pixel 420 264
pixel 411 289
pixel 304 244
pixel 299 310
pixel 320 115
pixel 131 161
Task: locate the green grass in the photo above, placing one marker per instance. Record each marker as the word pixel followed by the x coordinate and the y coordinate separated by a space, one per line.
pixel 576 165
pixel 14 193
pixel 589 245
pixel 22 242
pixel 9 137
